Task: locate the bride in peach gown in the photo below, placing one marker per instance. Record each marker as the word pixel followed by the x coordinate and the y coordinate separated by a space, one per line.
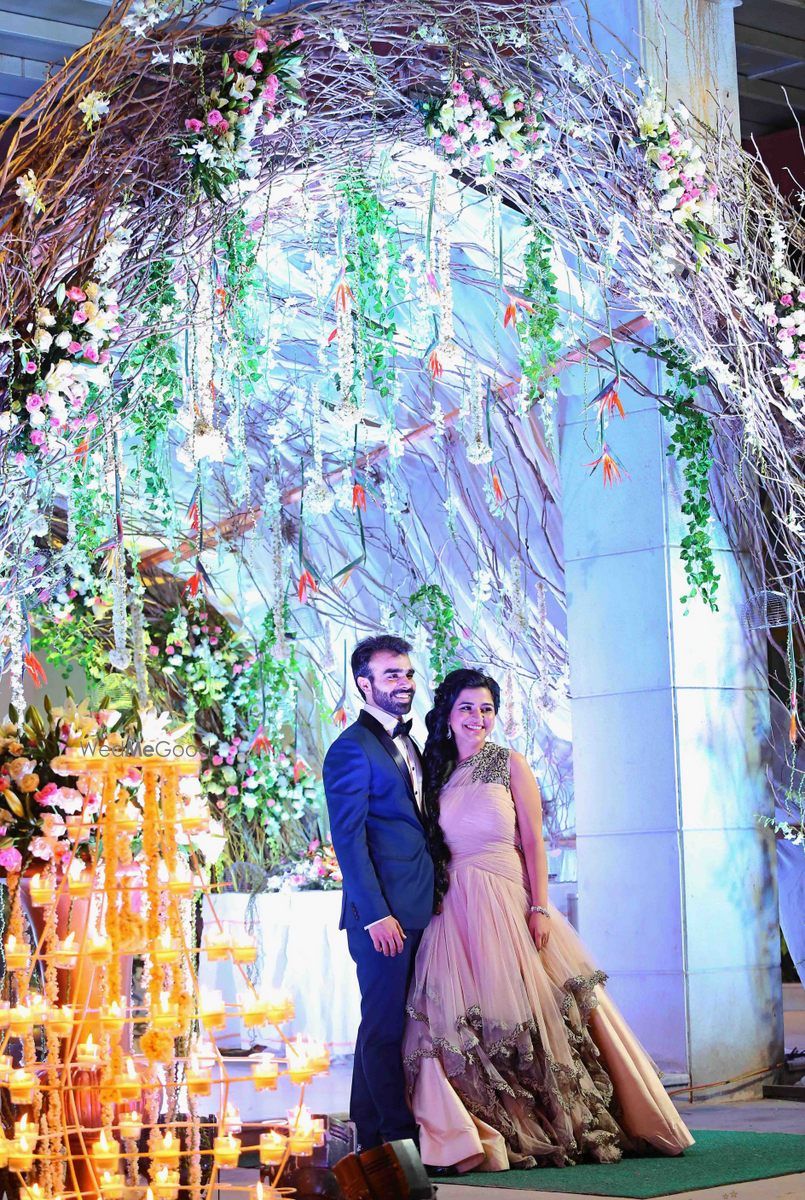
pixel 514 1054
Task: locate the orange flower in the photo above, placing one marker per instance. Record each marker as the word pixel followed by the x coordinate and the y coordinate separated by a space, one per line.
pixel 221 294
pixel 35 669
pixel 609 467
pixel 81 450
pixel 260 743
pixel 609 402
pixel 792 727
pixel 358 497
pixel 300 767
pixel 340 717
pixel 436 368
pixel 343 295
pixel 307 584
pixel 193 583
pixel 497 489
pixel 510 315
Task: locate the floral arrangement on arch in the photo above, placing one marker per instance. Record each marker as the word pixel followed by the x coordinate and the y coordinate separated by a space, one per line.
pixel 254 82
pixel 317 870
pixel 680 173
pixel 479 123
pixel 57 367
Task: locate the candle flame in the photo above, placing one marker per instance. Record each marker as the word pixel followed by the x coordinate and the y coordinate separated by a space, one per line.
pixel 131 1069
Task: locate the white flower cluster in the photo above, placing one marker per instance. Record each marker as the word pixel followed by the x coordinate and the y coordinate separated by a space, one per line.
pixel 144 15
pixel 787 319
pixel 680 173
pixel 71 341
pixel 479 123
pixel 94 106
pixel 479 452
pixel 29 192
pixel 434 35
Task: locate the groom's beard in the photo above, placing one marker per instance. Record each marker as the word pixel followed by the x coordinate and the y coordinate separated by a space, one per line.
pixel 391 702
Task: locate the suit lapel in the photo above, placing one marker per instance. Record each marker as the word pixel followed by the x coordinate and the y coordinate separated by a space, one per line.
pixel 387 742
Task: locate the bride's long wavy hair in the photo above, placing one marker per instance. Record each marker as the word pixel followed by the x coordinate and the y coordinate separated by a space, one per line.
pixel 439 759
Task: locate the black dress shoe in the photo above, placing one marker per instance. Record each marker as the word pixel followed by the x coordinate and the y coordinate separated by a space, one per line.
pixel 441 1172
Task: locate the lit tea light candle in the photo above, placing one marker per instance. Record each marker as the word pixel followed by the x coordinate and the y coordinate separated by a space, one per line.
pixel 60 1020
pixel 33 1191
pixel 304 1129
pixel 105 1152
pixel 194 821
pixel 98 948
pixel 165 950
pixel 6 1067
pixel 42 890
pixel 20 1020
pixel 180 886
pixel 18 954
pixel 226 1150
pixel 230 1121
pixel 301 1141
pixel 22 1086
pixel 66 952
pixel 88 1053
pixel 111 1185
pixel 253 1010
pixel 272 1148
pixel 212 1010
pixel 166 1184
pixel 280 1007
pixel 130 1124
pixel 23 1128
pixel 129 819
pixel 265 1073
pixel 198 1079
pixel 79 827
pixel 260 1192
pixel 165 1015
pixel 79 882
pixel 300 1068
pixel 5 1009
pixel 21 1153
pixel 165 1149
pixel 127 1084
pixel 113 1018
pixel 217 946
pixel 319 1057
pixel 243 949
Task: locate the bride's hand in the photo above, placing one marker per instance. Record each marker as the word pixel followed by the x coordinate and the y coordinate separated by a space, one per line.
pixel 540 928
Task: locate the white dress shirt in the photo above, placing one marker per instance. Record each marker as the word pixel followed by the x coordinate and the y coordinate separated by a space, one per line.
pixel 406 748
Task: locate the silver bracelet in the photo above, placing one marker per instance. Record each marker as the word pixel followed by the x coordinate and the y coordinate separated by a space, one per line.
pixel 539 908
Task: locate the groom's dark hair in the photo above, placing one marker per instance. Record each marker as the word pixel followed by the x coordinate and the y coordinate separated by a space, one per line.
pixel 373 645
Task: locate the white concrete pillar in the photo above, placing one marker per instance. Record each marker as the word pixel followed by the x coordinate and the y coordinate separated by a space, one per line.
pixel 677 884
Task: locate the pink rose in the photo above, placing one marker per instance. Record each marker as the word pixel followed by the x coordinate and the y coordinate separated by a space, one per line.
pixel 37 437
pixel 222 127
pixel 214 118
pixel 232 790
pixel 91 352
pixel 79 316
pixel 787 300
pixel 241 56
pixel 75 348
pixel 257 66
pixel 11 859
pixel 448 143
pixel 91 420
pixel 30 368
pixel 193 125
pixel 297 34
pixel 43 795
pixel 34 402
pixel 675 139
pixel 153 651
pixel 75 293
pixel 455 87
pixel 260 45
pixel 217 760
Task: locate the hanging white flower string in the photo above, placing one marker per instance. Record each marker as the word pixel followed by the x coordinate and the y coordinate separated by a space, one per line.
pixel 319 499
pixel 512 707
pixel 14 634
pixel 119 656
pixel 479 451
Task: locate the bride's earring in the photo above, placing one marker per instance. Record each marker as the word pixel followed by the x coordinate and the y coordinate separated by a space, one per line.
pixel 449 733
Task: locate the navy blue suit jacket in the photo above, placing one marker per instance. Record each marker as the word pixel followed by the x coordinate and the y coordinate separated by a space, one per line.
pixel 377 833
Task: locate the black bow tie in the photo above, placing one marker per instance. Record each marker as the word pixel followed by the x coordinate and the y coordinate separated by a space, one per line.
pixel 402 729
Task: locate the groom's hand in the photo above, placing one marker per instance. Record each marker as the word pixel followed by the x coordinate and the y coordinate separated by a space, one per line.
pixel 387 936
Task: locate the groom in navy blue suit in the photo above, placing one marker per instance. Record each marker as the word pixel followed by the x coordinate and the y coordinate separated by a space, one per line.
pixel 373 783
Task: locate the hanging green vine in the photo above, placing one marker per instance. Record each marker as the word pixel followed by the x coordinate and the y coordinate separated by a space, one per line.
pixel 690 446
pixel 539 345
pixel 434 609
pixel 373 271
pixel 154 380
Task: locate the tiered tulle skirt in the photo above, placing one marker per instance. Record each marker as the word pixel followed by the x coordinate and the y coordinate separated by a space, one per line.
pixel 516 1057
